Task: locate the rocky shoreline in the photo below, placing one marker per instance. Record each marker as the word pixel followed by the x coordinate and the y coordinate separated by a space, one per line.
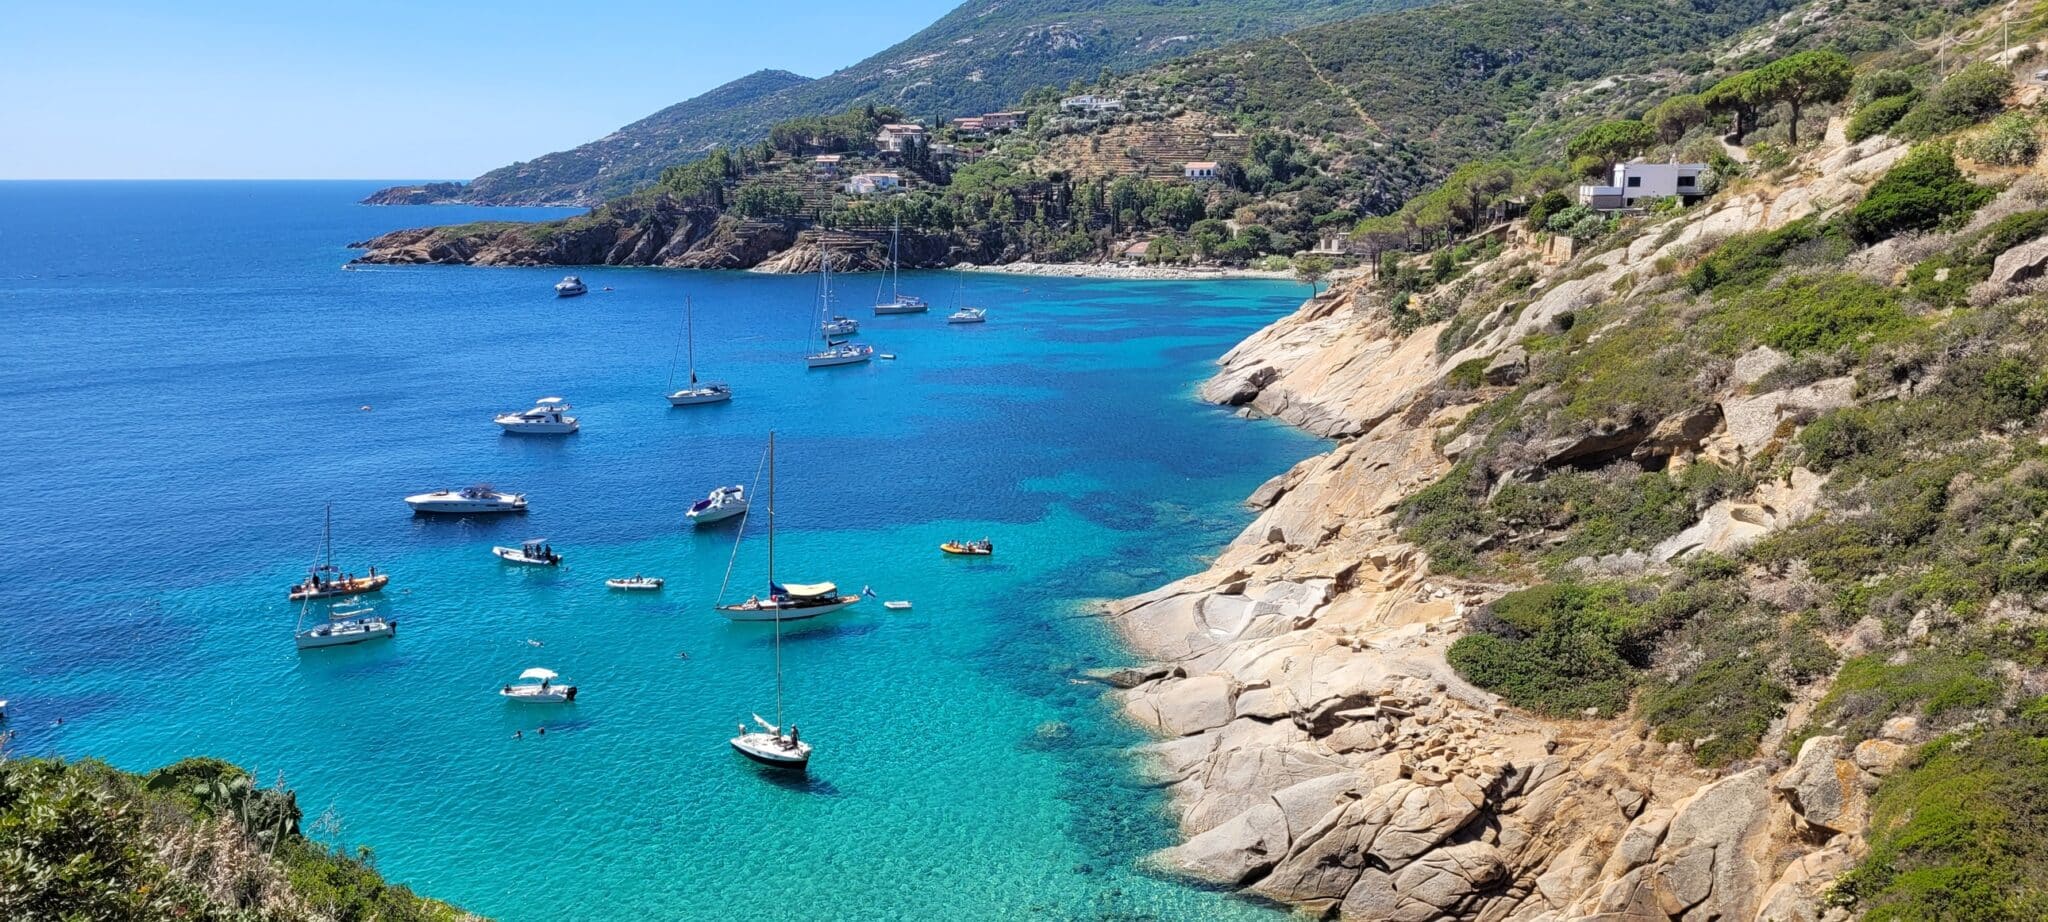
pixel 1321 752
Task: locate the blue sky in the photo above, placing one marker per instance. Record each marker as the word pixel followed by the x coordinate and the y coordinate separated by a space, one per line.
pixel 378 89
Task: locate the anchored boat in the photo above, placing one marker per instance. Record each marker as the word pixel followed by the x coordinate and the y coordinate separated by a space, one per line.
pixel 570 286
pixel 325 580
pixel 898 302
pixel 835 352
pixel 636 583
pixel 344 626
pixel 534 552
pixel 549 416
pixel 537 686
pixel 696 393
pixel 722 504
pixel 467 501
pixel 784 602
pixel 982 548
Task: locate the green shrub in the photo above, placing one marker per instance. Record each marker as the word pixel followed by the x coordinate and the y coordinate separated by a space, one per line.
pixel 1467 374
pixel 1549 204
pixel 1876 116
pixel 2010 141
pixel 1971 95
pixel 1724 706
pixel 1811 313
pixel 1556 649
pixel 1747 259
pixel 1870 689
pixel 1920 192
pixel 1881 84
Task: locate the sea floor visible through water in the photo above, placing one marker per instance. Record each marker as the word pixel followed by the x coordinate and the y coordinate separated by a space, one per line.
pixel 196 377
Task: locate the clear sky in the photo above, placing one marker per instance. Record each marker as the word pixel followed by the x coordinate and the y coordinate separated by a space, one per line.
pixel 380 89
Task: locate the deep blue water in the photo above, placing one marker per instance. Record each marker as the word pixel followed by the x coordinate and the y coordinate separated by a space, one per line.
pixel 186 363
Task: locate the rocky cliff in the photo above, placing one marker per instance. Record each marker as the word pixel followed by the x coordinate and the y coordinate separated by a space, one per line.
pixel 1318 746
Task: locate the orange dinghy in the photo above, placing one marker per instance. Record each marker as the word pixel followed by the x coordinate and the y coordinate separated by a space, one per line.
pixel 982 548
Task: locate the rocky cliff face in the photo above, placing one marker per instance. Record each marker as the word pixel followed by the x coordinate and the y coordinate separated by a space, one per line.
pixel 1321 751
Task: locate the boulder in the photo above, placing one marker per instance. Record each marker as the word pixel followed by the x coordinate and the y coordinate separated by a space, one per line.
pixel 1233 853
pixel 1754 423
pixel 1508 367
pixel 1606 442
pixel 1446 877
pixel 1824 788
pixel 1679 435
pixel 1195 704
pixel 1711 861
pixel 2021 263
pixel 1880 757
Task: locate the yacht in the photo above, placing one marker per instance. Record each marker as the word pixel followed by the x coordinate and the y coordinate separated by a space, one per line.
pixel 468 500
pixel 344 626
pixel 537 686
pixel 722 504
pixel 697 392
pixel 898 302
pixel 836 352
pixel 636 583
pixel 769 745
pixel 549 416
pixel 968 315
pixel 840 325
pixel 325 580
pixel 534 552
pixel 790 601
pixel 570 286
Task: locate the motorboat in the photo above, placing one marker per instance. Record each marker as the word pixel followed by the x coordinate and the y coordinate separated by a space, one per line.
pixel 325 580
pixel 784 602
pixel 968 315
pixel 538 686
pixel 840 354
pixel 534 552
pixel 982 548
pixel 840 325
pixel 897 605
pixel 772 747
pixel 887 356
pixel 722 504
pixel 468 501
pixel 570 286
pixel 549 416
pixel 636 583
pixel 897 302
pixel 697 392
pixel 344 626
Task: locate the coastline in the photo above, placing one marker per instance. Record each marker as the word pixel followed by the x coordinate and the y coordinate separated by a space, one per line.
pixel 1114 271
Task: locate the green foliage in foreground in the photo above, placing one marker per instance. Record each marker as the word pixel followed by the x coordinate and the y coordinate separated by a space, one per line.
pixel 1924 190
pixel 81 841
pixel 1556 649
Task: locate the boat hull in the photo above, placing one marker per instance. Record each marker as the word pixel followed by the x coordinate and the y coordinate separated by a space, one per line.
pixel 652 585
pixel 758 748
pixel 884 310
pixel 514 427
pixel 716 514
pixel 697 397
pixel 832 361
pixel 309 640
pixel 796 613
pixel 360 584
pixel 518 694
pixel 515 555
pixel 463 507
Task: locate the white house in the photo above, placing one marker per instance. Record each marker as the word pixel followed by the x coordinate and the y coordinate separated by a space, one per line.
pixel 1092 103
pixel 1200 170
pixel 1638 183
pixel 872 183
pixel 896 138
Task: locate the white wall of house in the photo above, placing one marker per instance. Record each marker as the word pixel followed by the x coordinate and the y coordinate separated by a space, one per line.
pixel 1635 184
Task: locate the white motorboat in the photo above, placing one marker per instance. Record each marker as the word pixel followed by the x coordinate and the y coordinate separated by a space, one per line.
pixel 785 602
pixel 968 315
pixel 534 552
pixel 636 583
pixel 840 325
pixel 345 626
pixel 769 745
pixel 697 392
pixel 325 580
pixel 538 686
pixel 836 352
pixel 468 501
pixel 897 605
pixel 570 286
pixel 897 302
pixel 722 504
pixel 549 416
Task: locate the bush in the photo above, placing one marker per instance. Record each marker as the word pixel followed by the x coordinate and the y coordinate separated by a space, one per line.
pixel 1879 115
pixel 1551 203
pixel 1729 702
pixel 1923 190
pixel 1881 84
pixel 2010 141
pixel 1467 374
pixel 1751 258
pixel 1555 649
pixel 1813 313
pixel 1971 95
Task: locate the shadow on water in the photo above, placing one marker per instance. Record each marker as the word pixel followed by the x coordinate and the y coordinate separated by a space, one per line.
pixel 813 633
pixel 467 526
pixel 353 661
pixel 800 783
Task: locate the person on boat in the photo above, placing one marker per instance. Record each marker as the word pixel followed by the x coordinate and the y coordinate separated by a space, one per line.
pixel 743 729
pixel 507 689
pixel 792 736
pixel 543 685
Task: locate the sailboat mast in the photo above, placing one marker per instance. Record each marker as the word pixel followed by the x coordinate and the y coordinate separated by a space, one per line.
pixel 690 324
pixel 771 578
pixel 895 271
pixel 327 537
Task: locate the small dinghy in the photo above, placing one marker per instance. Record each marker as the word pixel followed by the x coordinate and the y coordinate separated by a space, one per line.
pixel 897 605
pixel 982 548
pixel 537 686
pixel 636 583
pixel 888 356
pixel 535 552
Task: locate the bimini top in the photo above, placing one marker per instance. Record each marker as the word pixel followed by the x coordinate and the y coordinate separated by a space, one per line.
pixel 538 673
pixel 551 402
pixel 809 590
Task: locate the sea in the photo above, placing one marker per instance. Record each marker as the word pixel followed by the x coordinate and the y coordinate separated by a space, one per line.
pixel 195 378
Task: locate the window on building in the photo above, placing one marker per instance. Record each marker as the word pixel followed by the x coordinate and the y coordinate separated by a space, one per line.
pixel 1635 182
pixel 1685 180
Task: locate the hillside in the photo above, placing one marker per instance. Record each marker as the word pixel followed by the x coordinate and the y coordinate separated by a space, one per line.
pixel 194 840
pixel 982 56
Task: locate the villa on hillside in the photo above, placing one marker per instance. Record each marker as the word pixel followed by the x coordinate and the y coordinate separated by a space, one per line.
pixel 1200 170
pixel 1092 103
pixel 1638 183
pixel 896 138
pixel 973 124
pixel 826 166
pixel 1002 121
pixel 873 183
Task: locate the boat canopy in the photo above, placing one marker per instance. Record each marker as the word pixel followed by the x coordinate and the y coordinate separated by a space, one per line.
pixel 550 402
pixel 809 590
pixel 538 673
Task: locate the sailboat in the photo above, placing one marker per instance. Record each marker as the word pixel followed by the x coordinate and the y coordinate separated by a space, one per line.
pixel 769 745
pixel 836 352
pixel 965 314
pixel 696 393
pixel 325 580
pixel 898 303
pixel 785 601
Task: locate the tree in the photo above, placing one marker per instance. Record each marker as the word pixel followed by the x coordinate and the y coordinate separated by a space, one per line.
pixel 1802 79
pixel 1673 117
pixel 1738 97
pixel 1312 269
pixel 1612 140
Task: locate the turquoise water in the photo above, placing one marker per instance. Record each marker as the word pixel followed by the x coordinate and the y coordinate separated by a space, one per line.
pixel 187 362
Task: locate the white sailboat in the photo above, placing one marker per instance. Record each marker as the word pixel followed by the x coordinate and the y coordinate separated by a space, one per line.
pixel 836 352
pixel 785 601
pixel 325 580
pixel 898 303
pixel 696 393
pixel 343 626
pixel 769 745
